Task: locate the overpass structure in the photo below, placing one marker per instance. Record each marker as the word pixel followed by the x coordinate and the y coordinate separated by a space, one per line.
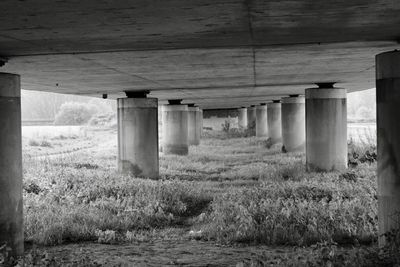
pixel 215 54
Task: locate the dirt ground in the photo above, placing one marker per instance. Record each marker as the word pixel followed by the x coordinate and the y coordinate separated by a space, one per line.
pixel 171 253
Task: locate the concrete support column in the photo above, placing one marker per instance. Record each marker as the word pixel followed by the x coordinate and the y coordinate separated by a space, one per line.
pixel 251 118
pixel 193 125
pixel 293 124
pixel 138 136
pixel 274 122
pixel 200 122
pixel 326 128
pixel 175 128
pixel 11 217
pixel 388 133
pixel 242 118
pixel 261 121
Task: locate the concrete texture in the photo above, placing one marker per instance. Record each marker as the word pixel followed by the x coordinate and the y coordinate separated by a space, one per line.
pixel 201 125
pixel 261 121
pixel 242 118
pixel 175 129
pixel 251 117
pixel 138 137
pixel 11 216
pixel 388 132
pixel 326 129
pixel 293 124
pixel 274 122
pixel 215 53
pixel 193 126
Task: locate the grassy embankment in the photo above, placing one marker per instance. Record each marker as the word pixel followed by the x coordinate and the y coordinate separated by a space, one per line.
pixel 230 191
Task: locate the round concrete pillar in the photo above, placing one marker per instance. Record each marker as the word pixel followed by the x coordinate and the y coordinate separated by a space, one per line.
pixel 199 123
pixel 11 217
pixel 261 121
pixel 326 129
pixel 293 124
pixel 274 122
pixel 138 137
pixel 388 133
pixel 242 118
pixel 175 129
pixel 251 118
pixel 193 126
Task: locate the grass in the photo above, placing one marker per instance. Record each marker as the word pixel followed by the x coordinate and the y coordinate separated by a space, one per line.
pixel 228 190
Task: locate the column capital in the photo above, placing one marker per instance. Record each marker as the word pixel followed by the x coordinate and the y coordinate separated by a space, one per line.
pixel 325 93
pixel 10 85
pixel 388 65
pixel 293 100
pixel 137 102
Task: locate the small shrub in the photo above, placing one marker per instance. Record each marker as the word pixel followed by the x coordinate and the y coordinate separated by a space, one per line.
pixel 226 126
pixel 33 142
pixel 106 237
pixel 349 176
pixel 108 120
pixel 32 187
pixel 391 251
pixel 361 153
pixel 45 143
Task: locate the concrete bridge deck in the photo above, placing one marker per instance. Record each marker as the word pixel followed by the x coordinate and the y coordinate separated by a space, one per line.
pixel 216 53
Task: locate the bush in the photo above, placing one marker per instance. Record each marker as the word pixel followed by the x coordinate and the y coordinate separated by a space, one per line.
pixel 73 113
pixel 42 143
pixel 33 142
pixel 109 120
pixel 296 213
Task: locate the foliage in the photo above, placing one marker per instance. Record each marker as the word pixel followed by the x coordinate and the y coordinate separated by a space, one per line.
pixel 104 119
pixel 74 113
pixel 296 213
pixel 42 143
pixel 80 202
pixel 238 191
pixel 362 152
pixel 365 113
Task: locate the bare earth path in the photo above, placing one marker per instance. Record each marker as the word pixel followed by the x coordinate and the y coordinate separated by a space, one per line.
pixel 171 253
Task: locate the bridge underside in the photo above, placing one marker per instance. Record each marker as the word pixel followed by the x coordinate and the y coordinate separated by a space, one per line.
pixel 216 53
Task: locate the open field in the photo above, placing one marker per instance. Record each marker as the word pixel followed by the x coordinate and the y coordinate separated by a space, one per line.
pixel 231 201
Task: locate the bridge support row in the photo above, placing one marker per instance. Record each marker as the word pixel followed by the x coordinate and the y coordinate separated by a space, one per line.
pixel 325 110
